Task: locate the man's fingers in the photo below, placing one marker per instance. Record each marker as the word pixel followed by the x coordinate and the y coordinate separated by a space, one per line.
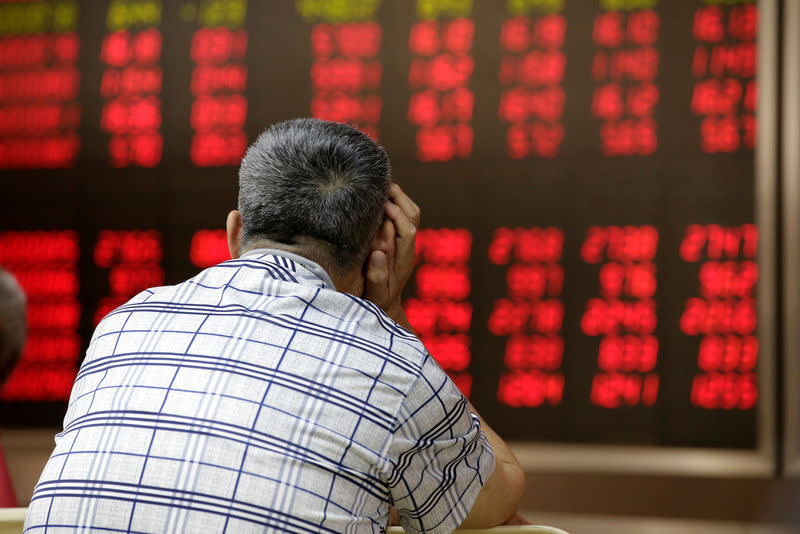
pixel 402 264
pixel 384 241
pixel 376 280
pixel 405 203
pixel 404 226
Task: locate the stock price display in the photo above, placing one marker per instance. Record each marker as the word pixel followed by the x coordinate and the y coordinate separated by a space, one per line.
pixel 586 271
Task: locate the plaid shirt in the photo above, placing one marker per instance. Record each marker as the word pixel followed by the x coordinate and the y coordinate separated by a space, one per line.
pixel 256 398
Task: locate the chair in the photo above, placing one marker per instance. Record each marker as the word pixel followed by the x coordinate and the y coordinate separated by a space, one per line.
pixel 529 529
pixel 11 520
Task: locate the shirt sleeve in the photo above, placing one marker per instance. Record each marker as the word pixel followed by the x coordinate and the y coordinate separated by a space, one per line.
pixel 440 457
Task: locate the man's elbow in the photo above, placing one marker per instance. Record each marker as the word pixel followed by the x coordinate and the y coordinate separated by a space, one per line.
pixel 500 497
pixel 515 481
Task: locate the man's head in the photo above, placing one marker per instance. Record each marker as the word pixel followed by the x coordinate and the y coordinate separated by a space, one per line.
pixel 314 183
pixel 12 323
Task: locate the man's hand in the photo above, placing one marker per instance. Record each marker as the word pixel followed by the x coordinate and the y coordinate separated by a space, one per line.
pixel 392 255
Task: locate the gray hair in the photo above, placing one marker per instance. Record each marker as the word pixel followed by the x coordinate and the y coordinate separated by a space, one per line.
pixel 308 178
pixel 13 327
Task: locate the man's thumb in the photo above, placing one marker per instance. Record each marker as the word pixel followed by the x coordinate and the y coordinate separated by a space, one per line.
pixel 376 288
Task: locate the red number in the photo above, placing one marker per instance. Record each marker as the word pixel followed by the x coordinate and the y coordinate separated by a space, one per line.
pixel 547 316
pixel 717 96
pixel 708 24
pixel 515 34
pixel 210 112
pixel 147 46
pixel 542 352
pixel 509 317
pixel 735 59
pixel 608 30
pixel 424 38
pixel 39 383
pixel 143 150
pixel 610 317
pixel 450 351
pixel 727 391
pixel 208 248
pixel 638 64
pixel 643 27
pixel 542 67
pixel 629 137
pixel 452 282
pixel 628 353
pixel 607 102
pixel 207 79
pixel 612 390
pixel 719 134
pixel 743 22
pixel 718 317
pixel 212 148
pixel 444 245
pixel 117 49
pixel 359 39
pixel 458 35
pixel 39 247
pixel 443 143
pixel 218 45
pixel 530 389
pixel 728 353
pixel 642 99
pixel 549 31
pixel 501 246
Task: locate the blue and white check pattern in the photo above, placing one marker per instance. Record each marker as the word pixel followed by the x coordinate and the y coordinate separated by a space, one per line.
pixel 256 398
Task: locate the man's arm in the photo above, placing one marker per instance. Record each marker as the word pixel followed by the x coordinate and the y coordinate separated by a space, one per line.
pixel 498 500
pixel 389 267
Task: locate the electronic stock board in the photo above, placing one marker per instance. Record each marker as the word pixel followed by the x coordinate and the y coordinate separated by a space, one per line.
pixel 589 258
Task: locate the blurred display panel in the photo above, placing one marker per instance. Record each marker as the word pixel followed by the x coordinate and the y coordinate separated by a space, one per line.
pixel 588 262
pixel 132 82
pixel 219 80
pixel 623 317
pixel 724 67
pixel 209 247
pixel 346 69
pixel 45 263
pixel 530 316
pixel 441 104
pixel 132 259
pixel 723 315
pixel 531 73
pixel 440 312
pixel 625 72
pixel 39 84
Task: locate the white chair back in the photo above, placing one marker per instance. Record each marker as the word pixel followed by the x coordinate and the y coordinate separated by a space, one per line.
pixel 528 529
pixel 11 520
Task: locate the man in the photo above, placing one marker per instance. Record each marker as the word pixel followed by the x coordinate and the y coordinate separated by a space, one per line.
pixel 265 394
pixel 13 330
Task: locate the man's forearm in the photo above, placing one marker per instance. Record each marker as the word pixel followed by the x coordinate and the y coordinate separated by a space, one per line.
pixel 499 499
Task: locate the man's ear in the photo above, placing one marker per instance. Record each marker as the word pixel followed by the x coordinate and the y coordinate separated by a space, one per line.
pixel 234 228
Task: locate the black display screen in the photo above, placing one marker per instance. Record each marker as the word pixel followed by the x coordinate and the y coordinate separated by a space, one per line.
pixel 587 259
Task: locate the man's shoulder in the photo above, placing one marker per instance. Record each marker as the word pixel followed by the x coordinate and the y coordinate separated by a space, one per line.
pixel 401 338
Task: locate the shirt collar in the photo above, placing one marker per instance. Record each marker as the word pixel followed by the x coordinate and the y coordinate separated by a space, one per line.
pixel 301 263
